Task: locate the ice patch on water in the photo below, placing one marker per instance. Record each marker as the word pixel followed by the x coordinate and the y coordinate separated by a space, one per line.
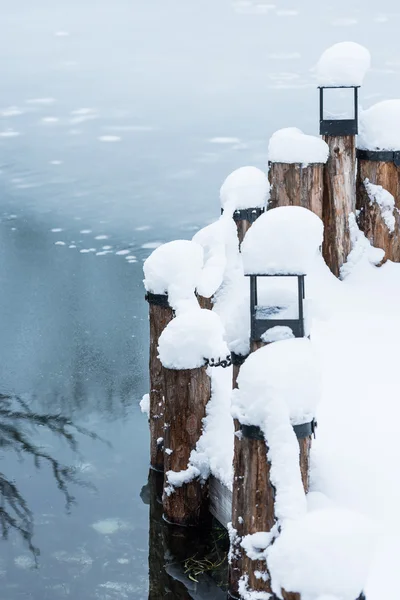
pixel 11 111
pixel 56 162
pixel 85 231
pixel 110 526
pixel 101 237
pixel 224 140
pixel 109 138
pixel 62 34
pixel 59 243
pixel 9 133
pixel 151 245
pixel 50 120
pixel 143 228
pixel 56 230
pixel 24 561
pixel 40 101
pixel 122 252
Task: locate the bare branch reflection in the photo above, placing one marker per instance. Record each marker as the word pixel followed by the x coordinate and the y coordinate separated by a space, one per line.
pixel 18 423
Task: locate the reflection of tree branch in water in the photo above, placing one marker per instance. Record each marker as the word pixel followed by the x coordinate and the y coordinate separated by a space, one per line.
pixel 15 418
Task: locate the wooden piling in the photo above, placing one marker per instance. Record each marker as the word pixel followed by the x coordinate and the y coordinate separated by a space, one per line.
pixel 252 507
pixel 160 314
pixel 294 184
pixel 379 168
pixel 339 199
pixel 244 219
pixel 187 394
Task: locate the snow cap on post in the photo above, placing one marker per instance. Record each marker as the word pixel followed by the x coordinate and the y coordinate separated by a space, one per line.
pixel 285 371
pixel 174 269
pixel 380 126
pixel 284 240
pixel 343 64
pixel 192 340
pixel 247 187
pixel 290 145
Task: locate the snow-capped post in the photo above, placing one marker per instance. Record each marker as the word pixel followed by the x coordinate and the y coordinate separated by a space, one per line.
pixel 191 342
pixel 296 169
pixel 278 388
pixel 277 254
pixel 340 72
pixel 170 272
pixel 244 194
pixel 378 177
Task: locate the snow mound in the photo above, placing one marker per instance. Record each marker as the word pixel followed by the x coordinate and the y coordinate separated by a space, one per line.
pixel 343 64
pixel 291 145
pixel 334 561
pixel 282 240
pixel 220 244
pixel 247 187
pixel 380 126
pixel 384 200
pixel 174 269
pixel 287 370
pixel 192 337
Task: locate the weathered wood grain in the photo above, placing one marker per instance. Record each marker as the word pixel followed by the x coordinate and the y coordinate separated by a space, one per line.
pixel 339 200
pixel 159 317
pixel 370 220
pixel 297 185
pixel 187 394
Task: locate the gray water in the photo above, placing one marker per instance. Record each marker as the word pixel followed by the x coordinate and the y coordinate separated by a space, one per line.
pixel 120 119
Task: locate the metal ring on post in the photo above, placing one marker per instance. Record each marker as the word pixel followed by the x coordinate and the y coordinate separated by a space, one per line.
pixel 157 299
pixel 248 214
pixel 379 156
pixel 238 359
pixel 302 431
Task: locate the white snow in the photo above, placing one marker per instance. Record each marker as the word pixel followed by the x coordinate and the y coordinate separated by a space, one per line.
pixel 384 200
pixel 277 334
pixel 291 145
pixel 380 126
pixel 282 240
pixel 326 552
pixel 145 404
pixel 214 450
pixel 247 187
pixel 343 64
pixel 193 336
pixel 174 269
pixel 220 244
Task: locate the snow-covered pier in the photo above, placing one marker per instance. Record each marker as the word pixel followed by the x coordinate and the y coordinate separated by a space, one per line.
pixel 256 325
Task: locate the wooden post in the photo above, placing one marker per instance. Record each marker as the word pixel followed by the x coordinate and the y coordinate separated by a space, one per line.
pixel 187 394
pixel 244 219
pixel 379 168
pixel 339 199
pixel 252 506
pixel 160 314
pixel 297 185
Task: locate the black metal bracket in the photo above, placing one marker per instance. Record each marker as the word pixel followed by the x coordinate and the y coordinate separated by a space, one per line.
pixel 305 429
pixel 338 127
pixel 253 432
pixel 210 362
pixel 259 326
pixel 248 214
pixel 238 359
pixel 379 156
pixel 157 299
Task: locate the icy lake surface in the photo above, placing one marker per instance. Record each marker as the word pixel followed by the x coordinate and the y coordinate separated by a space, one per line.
pixel 119 119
